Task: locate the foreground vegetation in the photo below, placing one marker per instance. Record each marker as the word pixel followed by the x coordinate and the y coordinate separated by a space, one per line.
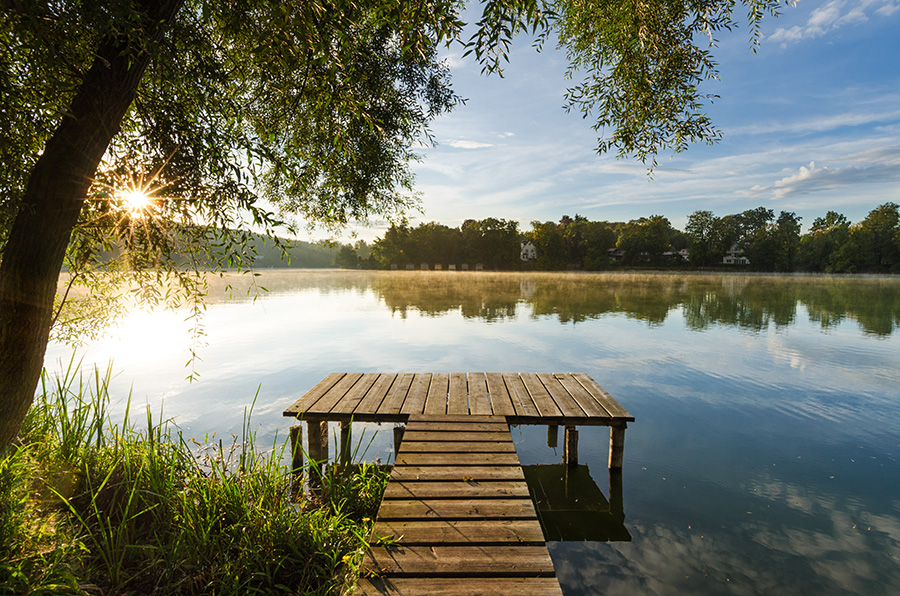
pixel 89 505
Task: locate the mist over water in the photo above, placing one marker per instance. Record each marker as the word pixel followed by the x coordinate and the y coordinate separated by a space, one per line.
pixel 763 458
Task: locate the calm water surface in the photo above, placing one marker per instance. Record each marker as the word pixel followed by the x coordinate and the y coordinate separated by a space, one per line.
pixel 764 455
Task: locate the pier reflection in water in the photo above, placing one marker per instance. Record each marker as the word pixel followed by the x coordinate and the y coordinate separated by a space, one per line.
pixel 571 507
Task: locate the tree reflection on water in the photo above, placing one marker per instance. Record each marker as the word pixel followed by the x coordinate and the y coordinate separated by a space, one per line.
pixel 751 303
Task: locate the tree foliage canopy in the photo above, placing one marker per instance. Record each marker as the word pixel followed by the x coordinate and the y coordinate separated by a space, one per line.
pixel 211 107
pixel 316 105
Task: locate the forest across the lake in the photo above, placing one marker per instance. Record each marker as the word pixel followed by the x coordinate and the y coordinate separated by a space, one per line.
pixel 754 240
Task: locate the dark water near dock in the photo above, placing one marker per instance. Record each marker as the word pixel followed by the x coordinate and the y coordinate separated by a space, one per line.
pixel 763 459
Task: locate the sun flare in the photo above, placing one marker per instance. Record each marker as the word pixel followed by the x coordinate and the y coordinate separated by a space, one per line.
pixel 136 200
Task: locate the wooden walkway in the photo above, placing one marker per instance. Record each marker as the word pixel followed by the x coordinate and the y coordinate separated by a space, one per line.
pixel 457 505
pixel 461 516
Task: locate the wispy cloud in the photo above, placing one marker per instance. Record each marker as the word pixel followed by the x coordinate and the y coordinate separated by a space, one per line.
pixel 462 144
pixel 819 123
pixel 888 9
pixel 831 16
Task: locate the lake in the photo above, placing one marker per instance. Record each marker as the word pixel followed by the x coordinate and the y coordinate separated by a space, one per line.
pixel 763 458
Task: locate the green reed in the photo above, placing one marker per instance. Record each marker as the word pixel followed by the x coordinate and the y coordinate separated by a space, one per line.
pixel 93 505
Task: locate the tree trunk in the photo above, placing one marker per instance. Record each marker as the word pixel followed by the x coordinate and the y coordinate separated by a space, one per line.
pixel 54 195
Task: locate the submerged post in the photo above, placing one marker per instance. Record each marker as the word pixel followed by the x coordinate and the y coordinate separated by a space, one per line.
pixel 296 434
pixel 571 447
pixel 617 445
pixel 552 435
pixel 318 448
pixel 616 502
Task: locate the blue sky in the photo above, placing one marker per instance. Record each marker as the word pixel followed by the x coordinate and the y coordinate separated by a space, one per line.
pixel 811 123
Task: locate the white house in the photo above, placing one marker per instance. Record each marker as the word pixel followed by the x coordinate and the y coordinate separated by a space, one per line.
pixel 735 256
pixel 529 252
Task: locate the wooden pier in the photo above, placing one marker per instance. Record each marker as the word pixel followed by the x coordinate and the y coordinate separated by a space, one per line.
pixel 457 510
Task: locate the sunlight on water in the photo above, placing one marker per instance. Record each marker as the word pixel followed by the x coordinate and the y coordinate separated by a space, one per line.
pixel 763 459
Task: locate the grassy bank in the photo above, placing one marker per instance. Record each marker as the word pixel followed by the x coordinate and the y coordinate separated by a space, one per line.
pixel 89 505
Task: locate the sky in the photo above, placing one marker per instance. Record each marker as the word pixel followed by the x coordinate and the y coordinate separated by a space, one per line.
pixel 810 123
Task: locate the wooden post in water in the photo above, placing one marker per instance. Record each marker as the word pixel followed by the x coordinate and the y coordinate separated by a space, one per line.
pixel 318 448
pixel 552 435
pixel 296 434
pixel 571 447
pixel 616 446
pixel 345 442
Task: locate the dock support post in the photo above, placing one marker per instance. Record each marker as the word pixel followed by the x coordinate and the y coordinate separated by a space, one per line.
pixel 345 442
pixel 552 436
pixel 318 448
pixel 296 434
pixel 571 449
pixel 616 446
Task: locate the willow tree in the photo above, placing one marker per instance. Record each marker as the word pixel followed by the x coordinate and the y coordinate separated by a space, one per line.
pixel 217 108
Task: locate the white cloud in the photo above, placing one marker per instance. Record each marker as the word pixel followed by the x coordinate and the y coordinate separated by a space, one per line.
pixel 867 168
pixel 469 144
pixel 803 178
pixel 888 9
pixel 453 61
pixel 831 16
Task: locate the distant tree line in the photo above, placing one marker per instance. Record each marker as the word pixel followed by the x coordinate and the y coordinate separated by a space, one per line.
pixel 495 243
pixel 832 245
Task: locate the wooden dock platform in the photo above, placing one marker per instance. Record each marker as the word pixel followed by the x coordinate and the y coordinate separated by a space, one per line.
pixel 524 398
pixel 457 507
pixel 461 516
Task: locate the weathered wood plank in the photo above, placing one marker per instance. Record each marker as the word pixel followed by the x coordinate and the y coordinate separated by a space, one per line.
pixel 546 406
pixel 375 396
pixel 501 403
pixel 445 489
pixel 484 586
pixel 462 560
pixel 436 399
pixel 581 395
pixel 565 402
pixel 519 395
pixel 355 394
pixel 396 395
pixel 449 446
pixel 336 393
pixel 448 531
pixel 615 409
pixel 458 397
pixel 479 399
pixel 418 391
pixel 457 418
pixel 457 459
pixel 453 472
pixel 451 426
pixel 313 395
pixel 520 508
pixel 456 435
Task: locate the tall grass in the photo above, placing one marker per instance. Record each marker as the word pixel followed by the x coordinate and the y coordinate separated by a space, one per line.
pixel 89 505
